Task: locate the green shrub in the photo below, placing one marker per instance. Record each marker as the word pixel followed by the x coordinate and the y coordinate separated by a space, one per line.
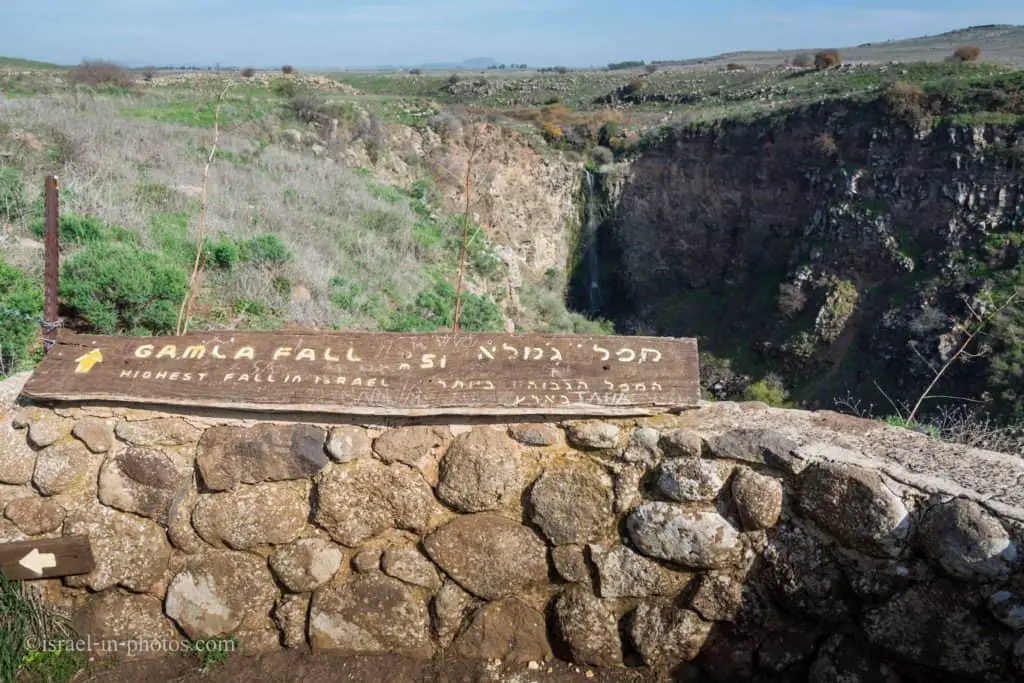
pixel 287 69
pixel 77 230
pixel 21 305
pixel 117 288
pixel 12 194
pixel 434 309
pixel 169 231
pixel 267 249
pixel 769 390
pixel 602 155
pixel 223 253
pixel 906 102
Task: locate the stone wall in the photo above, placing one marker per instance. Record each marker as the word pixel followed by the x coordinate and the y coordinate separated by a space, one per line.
pixel 732 542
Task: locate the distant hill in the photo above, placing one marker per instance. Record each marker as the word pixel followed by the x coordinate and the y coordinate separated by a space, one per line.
pixel 18 63
pixel 999 43
pixel 475 64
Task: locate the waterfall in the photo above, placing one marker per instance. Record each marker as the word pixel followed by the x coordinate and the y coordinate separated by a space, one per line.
pixel 589 244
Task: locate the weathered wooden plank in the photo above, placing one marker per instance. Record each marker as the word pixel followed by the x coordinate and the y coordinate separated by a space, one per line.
pixel 377 374
pixel 46 558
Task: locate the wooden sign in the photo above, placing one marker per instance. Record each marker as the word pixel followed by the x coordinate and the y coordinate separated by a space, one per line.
pixel 377 374
pixel 46 558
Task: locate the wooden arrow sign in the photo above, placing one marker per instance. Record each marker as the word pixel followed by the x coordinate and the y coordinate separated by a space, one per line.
pixel 377 374
pixel 46 558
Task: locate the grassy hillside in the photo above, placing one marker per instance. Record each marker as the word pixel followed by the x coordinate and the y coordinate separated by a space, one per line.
pixel 18 63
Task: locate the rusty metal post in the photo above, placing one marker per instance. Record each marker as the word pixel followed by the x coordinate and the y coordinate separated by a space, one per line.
pixel 52 268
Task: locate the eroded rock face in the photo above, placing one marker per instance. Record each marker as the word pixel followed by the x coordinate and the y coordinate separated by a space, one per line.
pixel 361 499
pixel 451 608
pixel 346 444
pixel 162 431
pixel 507 630
pixel 413 446
pixel 219 593
pixel 593 436
pixel 589 630
pixel 367 614
pixel 967 541
pixel 758 499
pixel 665 635
pixel 47 429
pixel 537 435
pixel 842 658
pixel 643 447
pixel 758 446
pixel 141 481
pixel 805 576
pixel 306 564
pixel 488 555
pixel 623 573
pixel 290 615
pixel 570 563
pixel 35 516
pixel 96 434
pixel 829 492
pixel 482 470
pixel 688 480
pixel 17 459
pixel 128 551
pixel 931 625
pixel 718 597
pixel 681 443
pixel 572 504
pixel 122 616
pixel 694 539
pixel 407 564
pixel 65 467
pixel 252 516
pixel 228 456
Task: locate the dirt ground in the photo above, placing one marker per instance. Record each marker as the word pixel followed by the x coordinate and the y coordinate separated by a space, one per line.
pixel 301 667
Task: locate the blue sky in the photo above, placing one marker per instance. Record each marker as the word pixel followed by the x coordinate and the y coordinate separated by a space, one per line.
pixel 343 33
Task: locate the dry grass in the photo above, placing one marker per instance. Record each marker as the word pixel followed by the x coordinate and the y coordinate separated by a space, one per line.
pixel 324 213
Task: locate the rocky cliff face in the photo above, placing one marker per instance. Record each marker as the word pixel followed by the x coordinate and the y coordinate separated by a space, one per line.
pixel 836 245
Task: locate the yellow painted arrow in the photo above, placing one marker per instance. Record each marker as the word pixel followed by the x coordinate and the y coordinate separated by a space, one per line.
pixel 86 362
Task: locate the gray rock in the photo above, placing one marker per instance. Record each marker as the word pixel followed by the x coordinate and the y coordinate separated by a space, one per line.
pixel 158 432
pixel 623 573
pixel 643 447
pixel 665 635
pixel 805 576
pixel 451 607
pixel 370 613
pixel 364 498
pixel 1007 608
pixel 593 435
pixel 179 521
pixel 142 481
pixel 787 647
pixel 228 456
pixel 66 467
pixel 694 539
pixel 35 516
pixel 688 480
pixel 47 429
pixel 252 516
pixel 930 625
pixel 758 446
pixel 967 541
pixel 572 504
pixel 367 560
pixel 681 443
pixel 718 597
pixel 290 615
pixel 507 630
pixel 219 593
pixel 537 435
pixel 488 555
pixel 570 563
pixel 306 564
pixel 346 444
pixel 482 470
pixel 96 434
pixel 17 459
pixel 120 616
pixel 629 479
pixel 758 499
pixel 407 564
pixel 412 446
pixel 588 629
pixel 128 551
pixel 843 659
pixel 829 492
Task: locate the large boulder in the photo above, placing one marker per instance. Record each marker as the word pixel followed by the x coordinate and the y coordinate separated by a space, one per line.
pixel 17 459
pixel 228 456
pixel 482 470
pixel 364 498
pixel 116 615
pixel 967 541
pixel 573 504
pixel 805 576
pixel 758 499
pixel 593 436
pixel 666 635
pixel 253 516
pixel 413 446
pixel 623 573
pixel 96 434
pixel 691 538
pixel 65 467
pixel 757 446
pixel 141 481
pixel 507 630
pixel 690 480
pixel 219 593
pixel 348 443
pixel 407 564
pixel 163 431
pixel 370 613
pixel 854 505
pixel 588 629
pixel 451 609
pixel 490 556
pixel 35 516
pixel 306 564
